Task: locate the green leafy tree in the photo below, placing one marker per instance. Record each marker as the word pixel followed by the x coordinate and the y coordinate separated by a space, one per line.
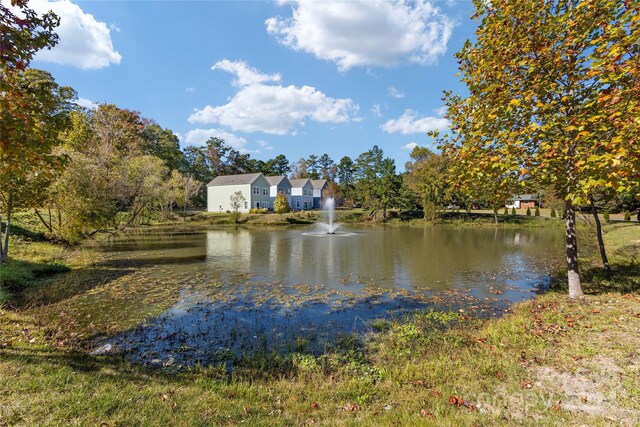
pixel 23 36
pixel 164 144
pixel 528 211
pixel 428 177
pixel 186 188
pixel 281 205
pixel 556 104
pixel 327 167
pixel 537 212
pixel 313 166
pixel 28 100
pixel 606 215
pixel 513 211
pixel 368 171
pixel 378 183
pixel 277 166
pixel 34 110
pixel 109 182
pixel 345 172
pixel 627 216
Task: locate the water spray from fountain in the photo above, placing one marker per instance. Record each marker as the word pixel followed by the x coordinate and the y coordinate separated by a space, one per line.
pixel 329 206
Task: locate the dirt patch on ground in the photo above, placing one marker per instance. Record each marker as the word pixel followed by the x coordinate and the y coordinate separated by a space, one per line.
pixel 594 393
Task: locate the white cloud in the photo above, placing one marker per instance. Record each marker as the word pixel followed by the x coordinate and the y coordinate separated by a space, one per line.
pixel 83 102
pixel 190 89
pixel 409 123
pixel 362 33
pixel 410 146
pixel 264 144
pixel 276 109
pixel 84 42
pixel 376 110
pixel 245 75
pixel 394 92
pixel 442 110
pixel 200 136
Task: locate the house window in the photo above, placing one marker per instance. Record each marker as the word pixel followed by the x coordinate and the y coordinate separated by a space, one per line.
pixel 305 205
pixel 288 191
pixel 265 191
pixel 256 205
pixel 246 205
pixel 298 204
pixel 256 190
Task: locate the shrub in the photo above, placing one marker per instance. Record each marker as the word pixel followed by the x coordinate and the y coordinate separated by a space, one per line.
pixel 606 214
pixel 506 211
pixel 513 211
pixel 537 211
pixel 234 217
pixel 528 211
pixel 553 213
pixel 627 215
pixel 259 211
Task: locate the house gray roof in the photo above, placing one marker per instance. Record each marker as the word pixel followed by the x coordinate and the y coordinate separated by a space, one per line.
pixel 275 180
pixel 525 197
pixel 318 183
pixel 246 178
pixel 299 183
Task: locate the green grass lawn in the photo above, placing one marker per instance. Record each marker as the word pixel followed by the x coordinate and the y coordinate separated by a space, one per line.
pixel 551 361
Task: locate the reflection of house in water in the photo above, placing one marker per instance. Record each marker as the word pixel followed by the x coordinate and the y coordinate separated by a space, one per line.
pixel 230 249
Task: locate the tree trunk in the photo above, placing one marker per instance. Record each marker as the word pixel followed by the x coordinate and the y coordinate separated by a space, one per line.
pixel 424 207
pixel 573 274
pixel 42 220
pixel 603 253
pixel 4 246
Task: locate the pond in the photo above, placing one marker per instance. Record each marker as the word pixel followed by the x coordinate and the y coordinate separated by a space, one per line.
pixel 176 297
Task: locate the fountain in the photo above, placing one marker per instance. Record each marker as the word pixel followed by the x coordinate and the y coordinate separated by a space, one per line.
pixel 329 228
pixel 329 206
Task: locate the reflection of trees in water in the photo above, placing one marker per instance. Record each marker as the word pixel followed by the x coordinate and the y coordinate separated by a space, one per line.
pixel 434 257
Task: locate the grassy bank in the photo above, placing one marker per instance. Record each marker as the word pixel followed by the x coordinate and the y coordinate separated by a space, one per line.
pixel 551 361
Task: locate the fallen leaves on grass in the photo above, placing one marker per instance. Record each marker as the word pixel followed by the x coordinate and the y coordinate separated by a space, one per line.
pixel 351 407
pixel 460 402
pixel 427 414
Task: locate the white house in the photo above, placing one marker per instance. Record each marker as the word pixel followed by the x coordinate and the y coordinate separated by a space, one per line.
pixel 254 188
pixel 301 194
pixel 279 184
pixel 319 185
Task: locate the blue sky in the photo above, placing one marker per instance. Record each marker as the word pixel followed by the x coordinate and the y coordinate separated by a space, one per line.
pixel 270 77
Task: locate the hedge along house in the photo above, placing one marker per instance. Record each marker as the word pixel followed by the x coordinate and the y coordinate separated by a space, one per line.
pixel 279 184
pixel 319 185
pixel 253 186
pixel 301 194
